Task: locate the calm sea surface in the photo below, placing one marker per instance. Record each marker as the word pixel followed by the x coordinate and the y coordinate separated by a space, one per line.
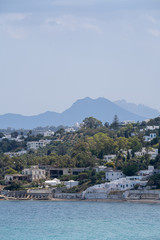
pixel 42 220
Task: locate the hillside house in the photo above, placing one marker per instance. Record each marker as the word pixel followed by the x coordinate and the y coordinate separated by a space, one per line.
pixel 34 145
pixel 109 158
pixel 8 178
pixel 34 173
pixel 112 175
pixel 150 137
pixel 57 172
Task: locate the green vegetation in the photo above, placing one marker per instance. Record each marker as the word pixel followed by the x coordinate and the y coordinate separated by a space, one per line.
pixel 85 148
pixel 154 181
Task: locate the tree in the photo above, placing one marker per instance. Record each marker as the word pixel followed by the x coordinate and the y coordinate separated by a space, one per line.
pixel 1 135
pixel 11 171
pixel 135 144
pixel 82 156
pixel 15 185
pixel 159 149
pixel 130 169
pixel 61 149
pixel 29 133
pixel 60 132
pixel 122 143
pixel 106 124
pixel 110 164
pixel 91 122
pixel 100 144
pixel 115 123
pixel 154 181
pixel 128 155
pixel 14 134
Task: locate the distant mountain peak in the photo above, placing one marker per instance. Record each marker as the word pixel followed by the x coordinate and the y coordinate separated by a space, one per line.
pixel 139 109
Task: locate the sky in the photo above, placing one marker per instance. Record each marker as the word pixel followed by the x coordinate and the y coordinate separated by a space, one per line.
pixel 53 52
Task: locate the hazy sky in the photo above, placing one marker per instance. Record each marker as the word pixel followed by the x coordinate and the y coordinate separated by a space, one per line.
pixel 53 52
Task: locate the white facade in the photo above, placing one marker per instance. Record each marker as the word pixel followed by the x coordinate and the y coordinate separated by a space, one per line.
pixel 15 154
pixel 127 122
pixel 152 128
pixel 53 182
pixel 11 177
pixel 69 130
pixel 153 153
pixel 150 137
pixel 35 173
pixel 71 183
pixel 142 153
pixel 100 168
pixel 126 183
pixel 103 190
pixel 8 136
pixel 148 172
pixel 109 158
pixel 8 178
pixel 37 144
pixel 133 134
pixel 48 133
pixel 114 175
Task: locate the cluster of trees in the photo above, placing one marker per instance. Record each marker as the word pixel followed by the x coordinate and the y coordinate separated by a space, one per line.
pixel 7 145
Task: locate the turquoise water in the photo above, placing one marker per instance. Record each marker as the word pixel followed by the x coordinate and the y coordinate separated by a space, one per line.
pixel 42 220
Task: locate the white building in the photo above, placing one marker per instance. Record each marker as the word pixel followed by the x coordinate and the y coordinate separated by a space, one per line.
pixel 125 153
pixel 148 172
pixel 34 145
pixel 48 133
pixel 71 183
pixel 127 122
pixel 141 153
pixel 69 130
pixel 102 191
pixel 150 137
pixel 113 174
pixel 109 158
pixel 34 172
pixel 8 136
pixel 126 183
pixel 133 134
pixel 152 152
pixel 53 182
pixel 8 178
pixel 16 154
pixel 152 128
pixel 100 168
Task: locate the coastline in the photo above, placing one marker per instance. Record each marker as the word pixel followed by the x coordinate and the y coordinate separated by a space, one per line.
pixel 148 201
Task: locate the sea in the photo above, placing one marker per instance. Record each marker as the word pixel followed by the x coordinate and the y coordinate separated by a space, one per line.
pixel 78 220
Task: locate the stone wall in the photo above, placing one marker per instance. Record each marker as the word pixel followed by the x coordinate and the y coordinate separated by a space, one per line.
pixel 142 194
pixel 68 195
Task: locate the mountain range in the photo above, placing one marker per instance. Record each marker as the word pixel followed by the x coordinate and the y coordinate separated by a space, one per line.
pixel 100 108
pixel 139 109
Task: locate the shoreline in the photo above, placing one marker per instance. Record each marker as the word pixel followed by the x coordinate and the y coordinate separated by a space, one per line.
pixel 148 201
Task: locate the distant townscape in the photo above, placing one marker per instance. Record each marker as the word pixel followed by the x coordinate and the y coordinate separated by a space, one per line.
pixel 90 160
